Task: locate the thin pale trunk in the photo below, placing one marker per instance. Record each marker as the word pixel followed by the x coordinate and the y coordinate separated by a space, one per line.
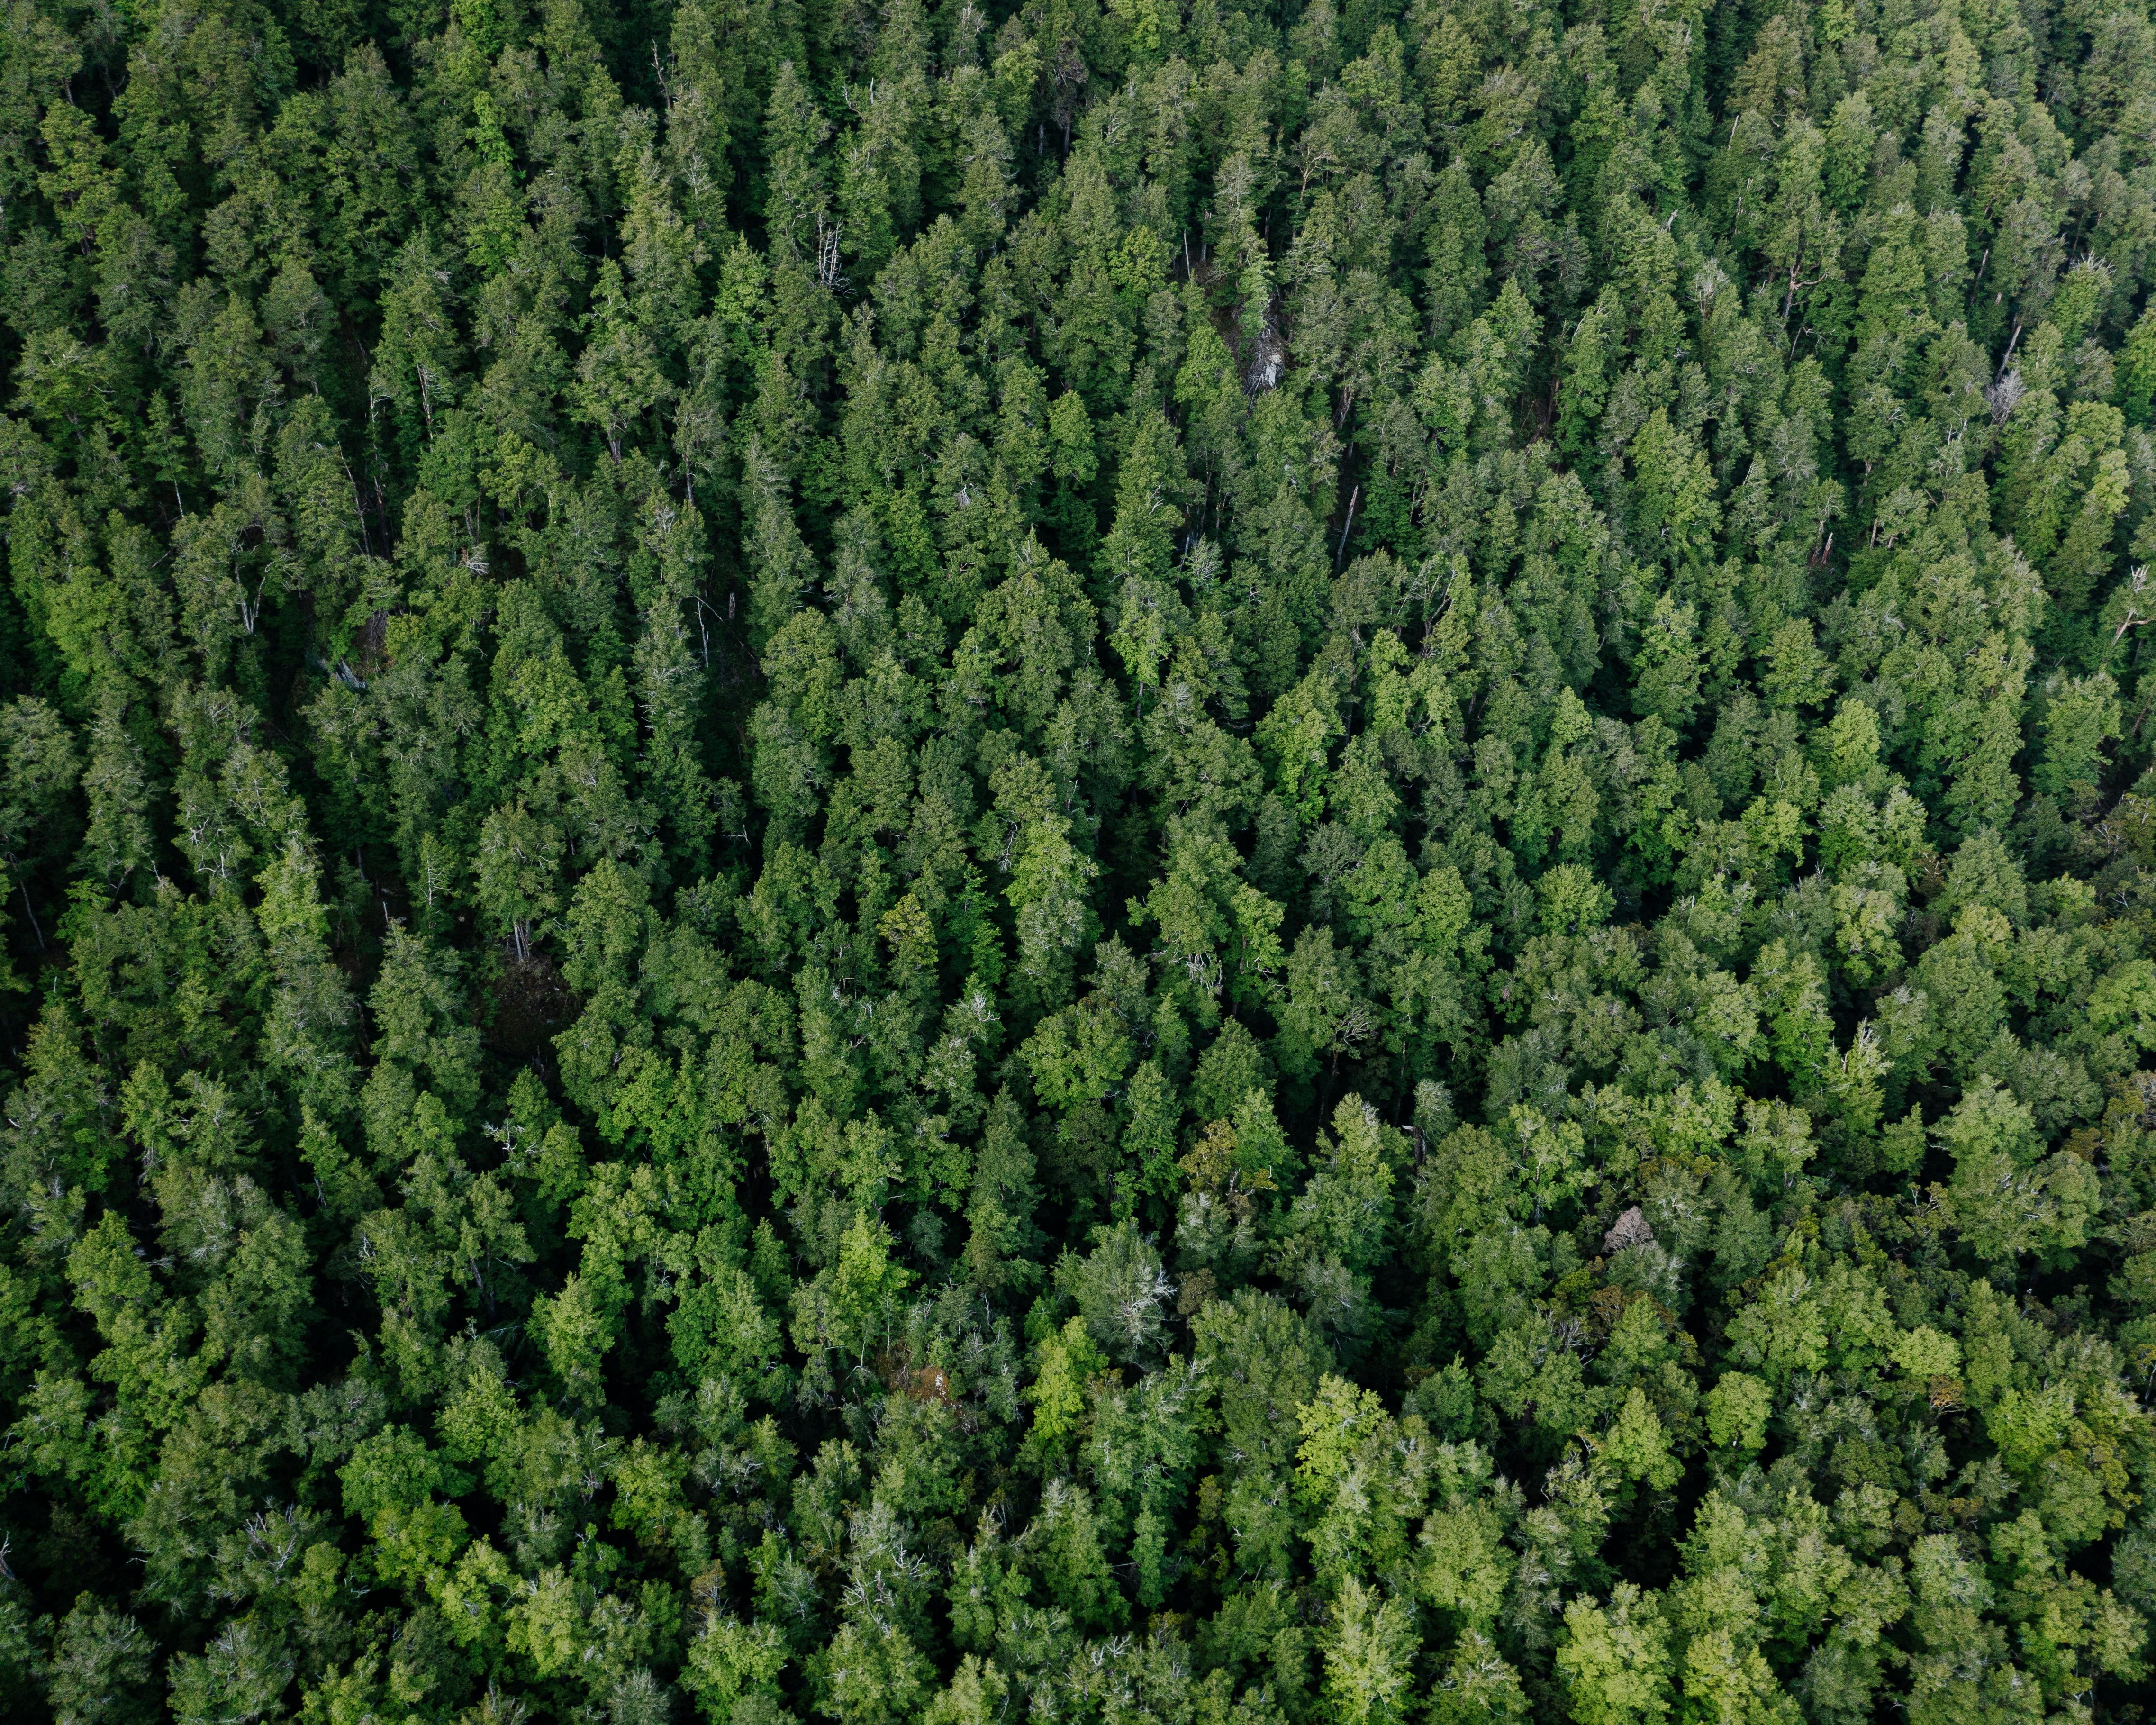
pixel 1348 526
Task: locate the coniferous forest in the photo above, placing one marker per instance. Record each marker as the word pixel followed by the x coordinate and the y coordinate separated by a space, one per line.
pixel 1093 862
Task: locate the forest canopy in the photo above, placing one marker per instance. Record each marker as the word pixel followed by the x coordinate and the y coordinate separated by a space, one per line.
pixel 1103 862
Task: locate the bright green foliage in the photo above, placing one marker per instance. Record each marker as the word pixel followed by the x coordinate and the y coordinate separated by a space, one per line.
pixel 1077 862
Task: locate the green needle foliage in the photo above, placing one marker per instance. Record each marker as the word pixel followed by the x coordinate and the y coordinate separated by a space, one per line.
pixel 1077 862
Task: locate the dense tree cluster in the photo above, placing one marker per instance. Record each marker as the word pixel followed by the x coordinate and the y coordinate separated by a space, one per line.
pixel 926 862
